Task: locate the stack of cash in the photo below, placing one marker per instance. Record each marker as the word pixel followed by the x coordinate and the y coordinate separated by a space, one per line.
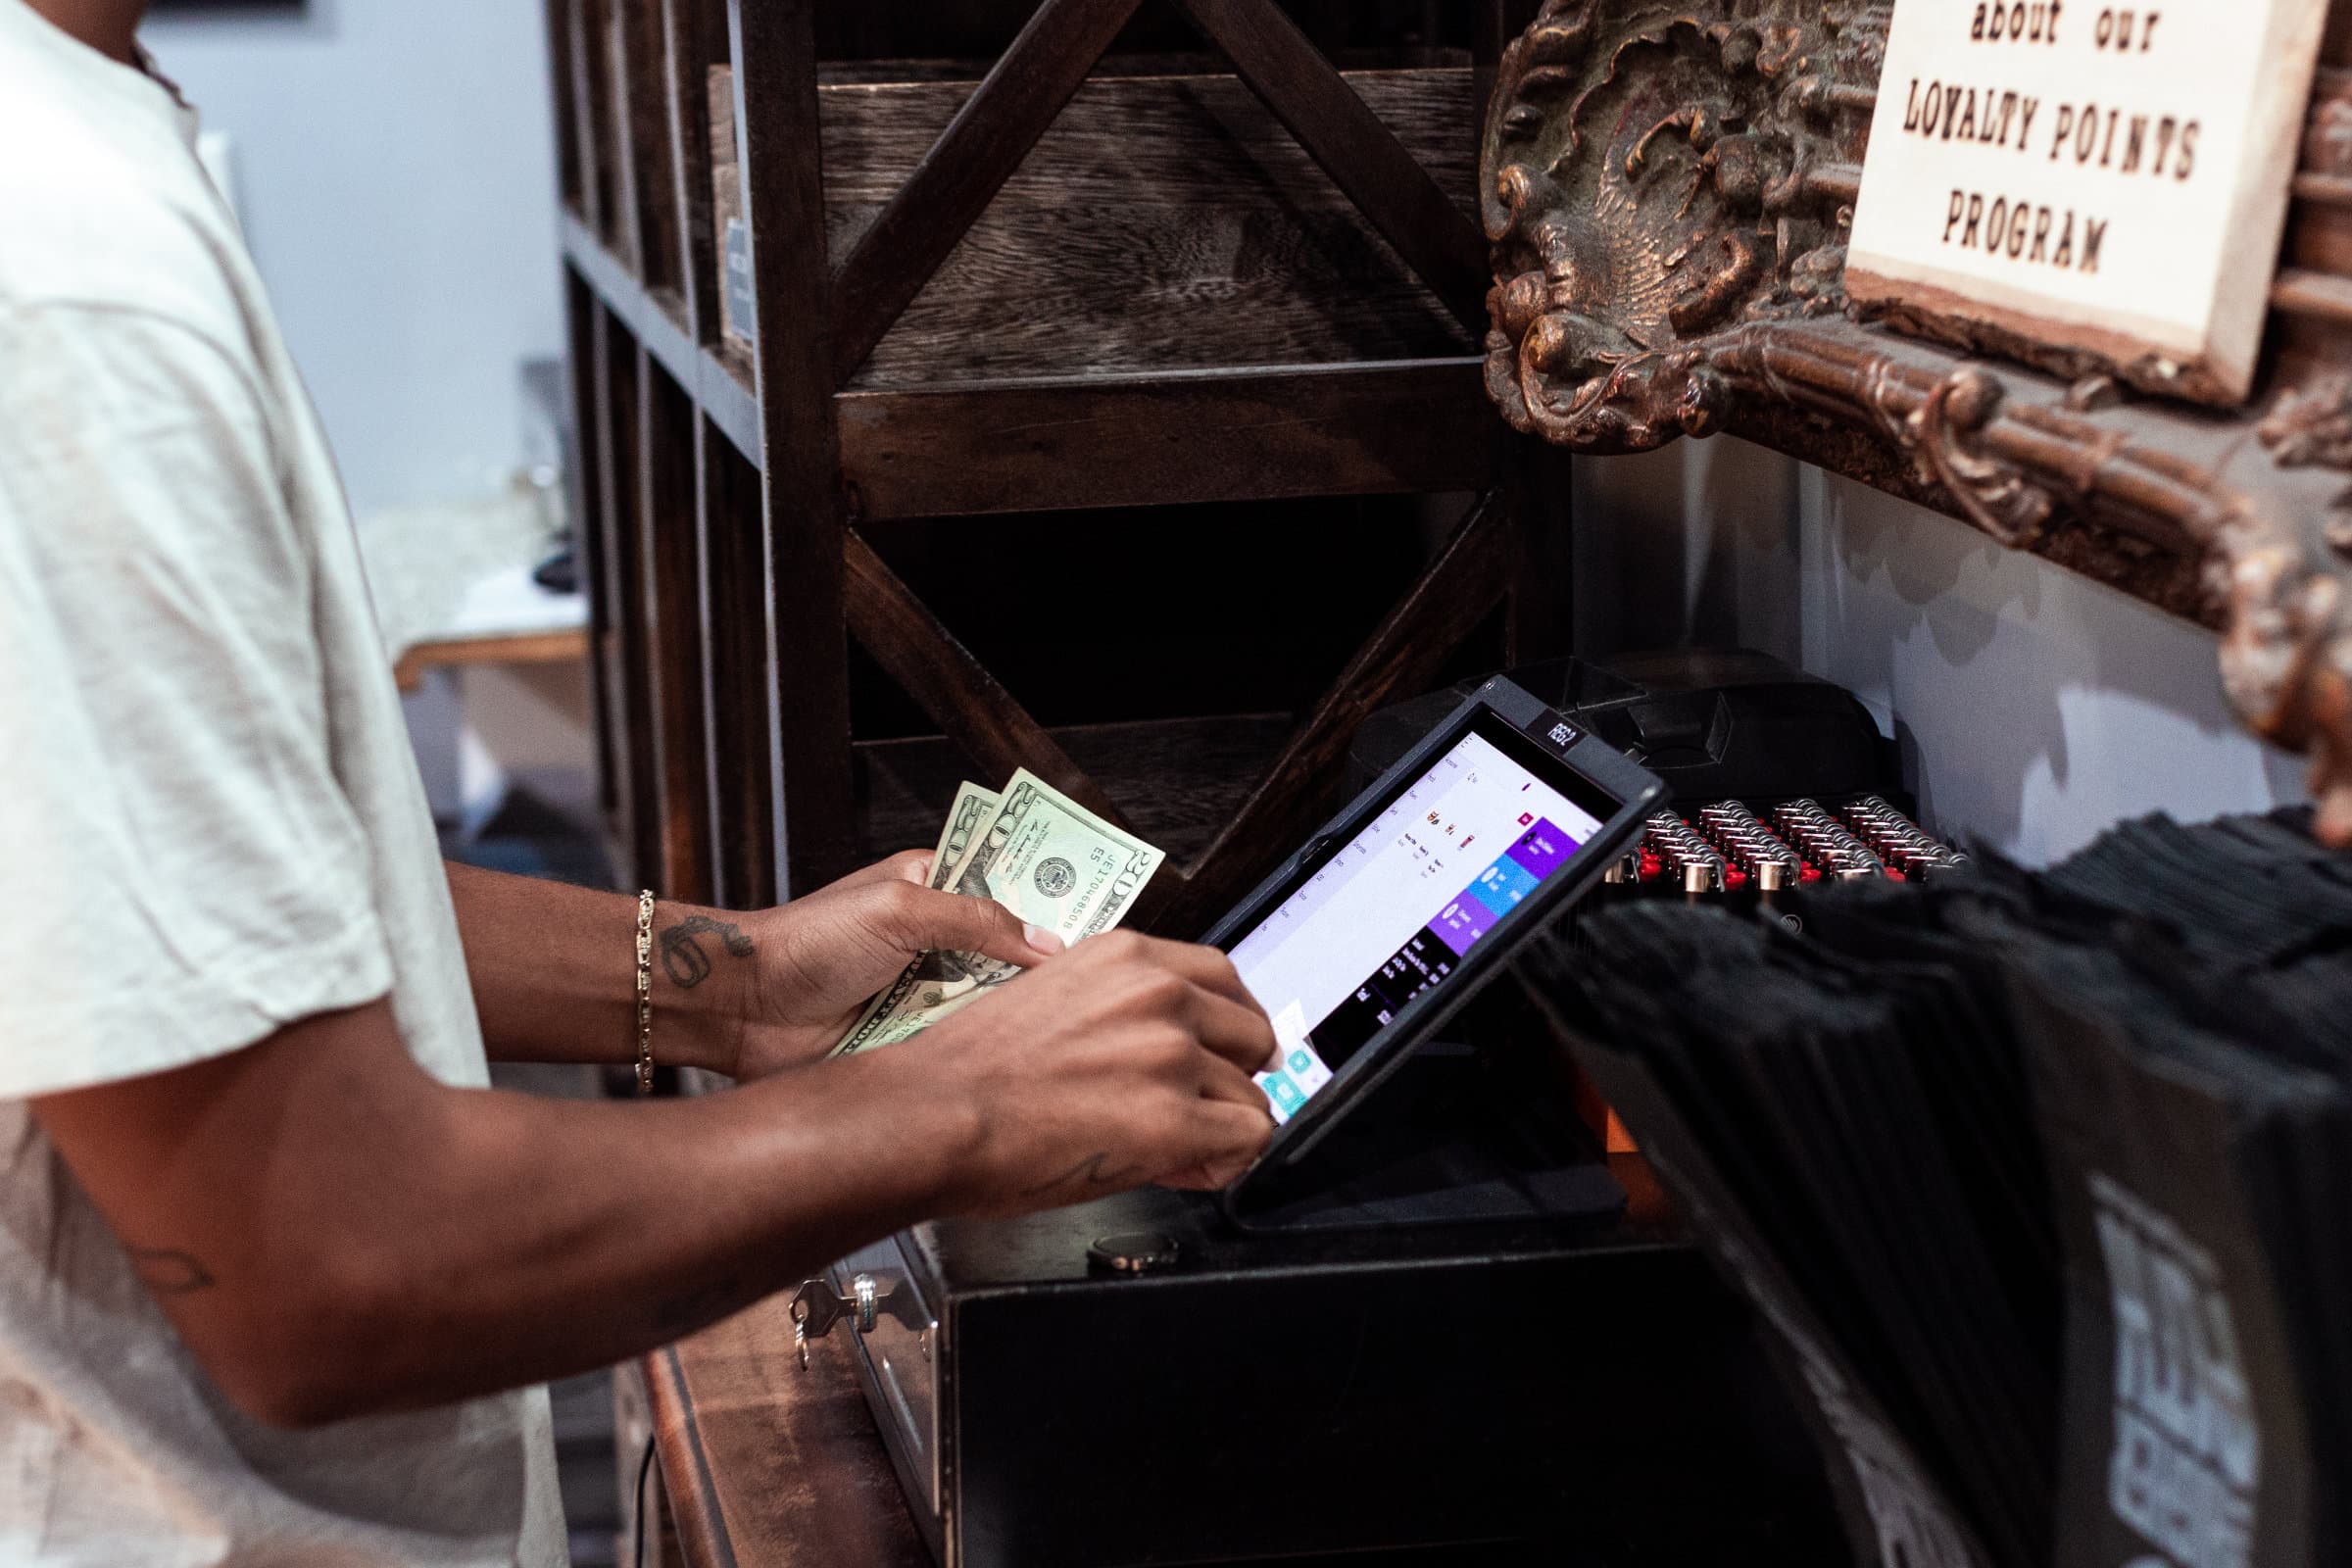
pixel 1038 853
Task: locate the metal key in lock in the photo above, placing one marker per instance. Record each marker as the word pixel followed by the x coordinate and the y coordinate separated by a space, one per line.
pixel 816 1306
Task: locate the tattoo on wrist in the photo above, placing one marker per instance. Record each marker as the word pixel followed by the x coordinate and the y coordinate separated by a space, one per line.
pixel 1091 1172
pixel 683 956
pixel 168 1272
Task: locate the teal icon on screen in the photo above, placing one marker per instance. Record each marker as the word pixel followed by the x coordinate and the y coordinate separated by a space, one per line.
pixel 1301 1062
pixel 1285 1092
pixel 1502 884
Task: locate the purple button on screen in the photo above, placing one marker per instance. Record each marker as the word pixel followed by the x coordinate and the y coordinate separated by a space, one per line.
pixel 1464 921
pixel 1542 848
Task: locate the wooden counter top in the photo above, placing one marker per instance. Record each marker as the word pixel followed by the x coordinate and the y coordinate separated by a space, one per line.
pixel 766 1466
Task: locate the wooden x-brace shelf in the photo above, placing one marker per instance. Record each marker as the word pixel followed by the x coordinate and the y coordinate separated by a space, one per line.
pixel 736 507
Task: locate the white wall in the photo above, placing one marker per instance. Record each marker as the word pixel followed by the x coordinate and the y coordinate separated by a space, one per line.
pixel 396 166
pixel 2033 706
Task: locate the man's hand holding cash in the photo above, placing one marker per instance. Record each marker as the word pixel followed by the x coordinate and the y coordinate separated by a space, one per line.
pixel 1127 1060
pixel 1031 849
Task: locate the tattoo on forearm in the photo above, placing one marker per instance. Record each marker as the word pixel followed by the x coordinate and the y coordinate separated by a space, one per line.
pixel 683 956
pixel 167 1272
pixel 691 1310
pixel 1093 1171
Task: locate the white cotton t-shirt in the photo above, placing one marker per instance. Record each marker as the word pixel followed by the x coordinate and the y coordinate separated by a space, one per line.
pixel 210 825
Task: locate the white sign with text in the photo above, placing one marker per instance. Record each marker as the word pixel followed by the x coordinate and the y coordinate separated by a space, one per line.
pixel 2107 179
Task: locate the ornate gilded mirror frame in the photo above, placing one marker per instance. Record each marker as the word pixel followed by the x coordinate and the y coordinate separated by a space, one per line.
pixel 1668 190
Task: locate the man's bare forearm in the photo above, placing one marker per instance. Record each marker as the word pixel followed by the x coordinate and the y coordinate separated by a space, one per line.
pixel 603 1231
pixel 333 1232
pixel 554 970
pixel 397 1244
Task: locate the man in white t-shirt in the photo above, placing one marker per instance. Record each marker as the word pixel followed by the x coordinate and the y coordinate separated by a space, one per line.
pixel 273 1262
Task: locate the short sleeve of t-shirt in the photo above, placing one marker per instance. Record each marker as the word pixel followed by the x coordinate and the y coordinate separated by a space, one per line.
pixel 181 871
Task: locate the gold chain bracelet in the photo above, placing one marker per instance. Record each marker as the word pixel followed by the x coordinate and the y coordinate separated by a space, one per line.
pixel 645 992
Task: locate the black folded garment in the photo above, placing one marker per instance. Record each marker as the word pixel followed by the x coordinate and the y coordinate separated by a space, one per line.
pixel 1712 1143
pixel 1844 1155
pixel 2255 1033
pixel 1959 1138
pixel 2193 1422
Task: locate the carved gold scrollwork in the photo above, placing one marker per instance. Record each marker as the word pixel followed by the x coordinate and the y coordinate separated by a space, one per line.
pixel 2310 424
pixel 1652 178
pixel 1996 496
pixel 2327 130
pixel 2287 662
pixel 1668 189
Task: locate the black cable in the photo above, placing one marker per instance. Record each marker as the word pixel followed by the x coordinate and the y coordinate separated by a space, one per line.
pixel 637 1504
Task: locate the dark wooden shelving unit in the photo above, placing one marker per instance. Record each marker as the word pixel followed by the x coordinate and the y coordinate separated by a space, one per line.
pixel 1122 282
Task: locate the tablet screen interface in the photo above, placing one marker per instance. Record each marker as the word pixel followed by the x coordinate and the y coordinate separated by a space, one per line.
pixel 1395 910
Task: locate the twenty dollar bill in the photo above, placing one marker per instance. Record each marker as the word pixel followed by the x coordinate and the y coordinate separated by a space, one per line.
pixel 929 989
pixel 1039 854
